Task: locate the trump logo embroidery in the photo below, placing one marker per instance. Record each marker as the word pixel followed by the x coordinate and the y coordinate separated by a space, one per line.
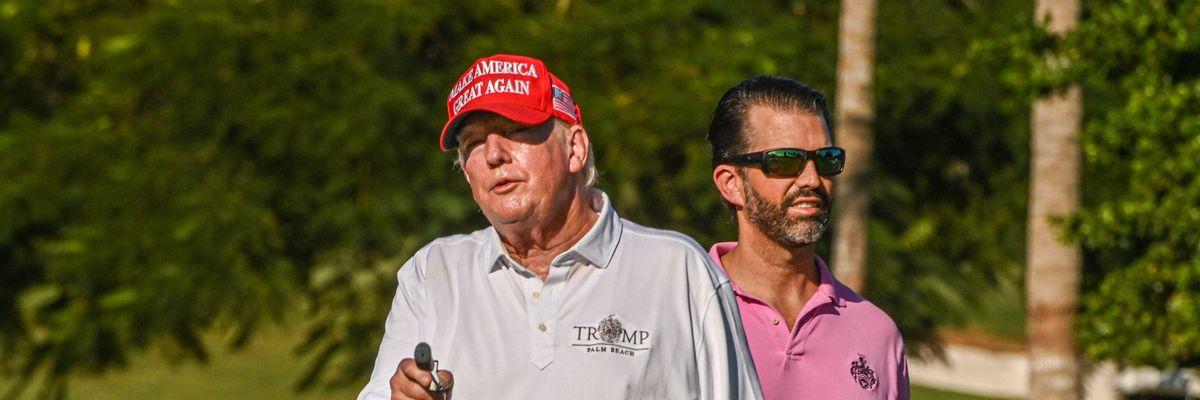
pixel 610 336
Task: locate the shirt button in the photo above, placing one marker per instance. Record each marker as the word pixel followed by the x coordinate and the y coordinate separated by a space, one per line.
pixel 537 295
pixel 542 327
pixel 774 321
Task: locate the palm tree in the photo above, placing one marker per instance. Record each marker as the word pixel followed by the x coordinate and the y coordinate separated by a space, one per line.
pixel 1052 275
pixel 855 113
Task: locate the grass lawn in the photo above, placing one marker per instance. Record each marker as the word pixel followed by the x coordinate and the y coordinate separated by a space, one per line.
pixel 266 369
pixel 1001 311
pixel 924 393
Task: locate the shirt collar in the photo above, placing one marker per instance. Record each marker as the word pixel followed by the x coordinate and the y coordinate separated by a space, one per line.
pixel 827 287
pixel 596 248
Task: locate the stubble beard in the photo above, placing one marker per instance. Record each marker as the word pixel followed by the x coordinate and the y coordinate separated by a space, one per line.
pixel 773 220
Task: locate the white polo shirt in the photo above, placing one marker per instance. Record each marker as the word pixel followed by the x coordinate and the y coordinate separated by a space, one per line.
pixel 629 312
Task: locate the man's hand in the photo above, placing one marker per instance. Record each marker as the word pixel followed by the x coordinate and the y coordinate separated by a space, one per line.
pixel 411 382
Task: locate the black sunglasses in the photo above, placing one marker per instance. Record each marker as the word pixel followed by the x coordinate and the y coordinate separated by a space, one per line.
pixel 790 162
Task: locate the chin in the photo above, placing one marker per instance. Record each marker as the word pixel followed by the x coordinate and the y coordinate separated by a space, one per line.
pixel 506 216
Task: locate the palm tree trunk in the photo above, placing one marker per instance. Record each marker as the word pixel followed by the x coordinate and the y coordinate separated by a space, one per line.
pixel 855 113
pixel 1052 275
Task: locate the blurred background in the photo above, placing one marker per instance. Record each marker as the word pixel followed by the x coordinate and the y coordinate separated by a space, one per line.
pixel 209 199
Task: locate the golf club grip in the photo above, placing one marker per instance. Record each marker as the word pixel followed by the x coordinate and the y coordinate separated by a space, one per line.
pixel 424 356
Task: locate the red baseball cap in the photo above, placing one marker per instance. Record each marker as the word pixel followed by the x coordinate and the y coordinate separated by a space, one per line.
pixel 519 88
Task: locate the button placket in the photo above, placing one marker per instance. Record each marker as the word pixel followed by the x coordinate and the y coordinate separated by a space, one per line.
pixel 804 329
pixel 543 304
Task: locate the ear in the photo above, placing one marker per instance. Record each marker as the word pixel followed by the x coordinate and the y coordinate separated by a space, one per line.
pixel 729 184
pixel 458 164
pixel 577 148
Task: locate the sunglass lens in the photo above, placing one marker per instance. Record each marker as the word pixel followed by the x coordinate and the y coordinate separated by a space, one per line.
pixel 785 162
pixel 830 161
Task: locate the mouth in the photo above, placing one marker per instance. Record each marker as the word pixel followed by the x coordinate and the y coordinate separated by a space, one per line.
pixel 807 203
pixel 503 185
pixel 808 207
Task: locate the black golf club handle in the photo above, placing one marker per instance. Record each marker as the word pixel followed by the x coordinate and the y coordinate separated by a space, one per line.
pixel 424 356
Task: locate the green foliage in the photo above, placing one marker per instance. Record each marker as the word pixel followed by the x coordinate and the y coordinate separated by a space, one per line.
pixel 1139 65
pixel 1142 225
pixel 171 168
pixel 950 169
pixel 214 161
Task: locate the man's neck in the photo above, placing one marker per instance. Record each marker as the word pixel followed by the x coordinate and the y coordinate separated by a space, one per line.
pixel 784 277
pixel 535 247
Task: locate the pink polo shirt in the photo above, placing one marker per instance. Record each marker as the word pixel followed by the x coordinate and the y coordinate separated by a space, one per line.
pixel 842 347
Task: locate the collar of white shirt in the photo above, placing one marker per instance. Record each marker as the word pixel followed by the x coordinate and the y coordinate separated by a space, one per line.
pixel 595 249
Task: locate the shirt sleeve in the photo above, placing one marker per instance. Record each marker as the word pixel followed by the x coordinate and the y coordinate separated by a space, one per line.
pixel 901 383
pixel 726 369
pixel 402 330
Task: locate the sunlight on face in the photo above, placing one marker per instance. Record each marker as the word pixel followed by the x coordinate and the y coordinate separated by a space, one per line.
pixel 515 171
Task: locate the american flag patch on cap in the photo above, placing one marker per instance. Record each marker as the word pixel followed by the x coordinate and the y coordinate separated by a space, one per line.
pixel 563 102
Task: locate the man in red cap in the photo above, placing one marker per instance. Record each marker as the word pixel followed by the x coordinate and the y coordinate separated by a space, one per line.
pixel 560 297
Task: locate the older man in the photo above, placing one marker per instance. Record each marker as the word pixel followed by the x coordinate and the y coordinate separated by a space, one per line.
pixel 811 337
pixel 560 297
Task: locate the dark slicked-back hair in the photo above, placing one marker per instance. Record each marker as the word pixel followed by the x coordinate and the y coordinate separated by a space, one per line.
pixel 726 130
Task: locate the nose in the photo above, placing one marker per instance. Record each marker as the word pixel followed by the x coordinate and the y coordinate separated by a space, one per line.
pixel 496 149
pixel 808 178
